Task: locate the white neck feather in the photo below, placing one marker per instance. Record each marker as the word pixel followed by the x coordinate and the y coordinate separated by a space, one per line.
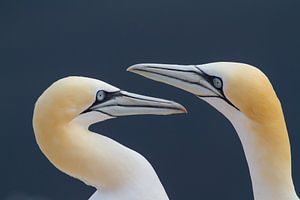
pixel 118 172
pixel 270 172
pixel 121 172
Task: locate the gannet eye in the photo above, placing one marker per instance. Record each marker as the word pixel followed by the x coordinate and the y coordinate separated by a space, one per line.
pixel 217 83
pixel 101 95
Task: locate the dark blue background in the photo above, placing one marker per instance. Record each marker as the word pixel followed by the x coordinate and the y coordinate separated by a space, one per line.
pixel 197 156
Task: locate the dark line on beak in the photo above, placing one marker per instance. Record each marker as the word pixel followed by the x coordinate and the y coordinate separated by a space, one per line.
pixel 171 69
pixel 225 99
pixel 100 111
pixel 194 83
pixel 202 74
pixel 140 106
pixel 132 97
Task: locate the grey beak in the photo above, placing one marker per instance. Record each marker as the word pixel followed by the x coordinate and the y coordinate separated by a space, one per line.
pixel 186 77
pixel 122 103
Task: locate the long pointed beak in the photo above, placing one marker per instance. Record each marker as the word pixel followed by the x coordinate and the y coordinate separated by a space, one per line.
pixel 187 77
pixel 122 103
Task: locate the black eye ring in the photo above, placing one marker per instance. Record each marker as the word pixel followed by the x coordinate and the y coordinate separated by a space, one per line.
pixel 217 83
pixel 101 94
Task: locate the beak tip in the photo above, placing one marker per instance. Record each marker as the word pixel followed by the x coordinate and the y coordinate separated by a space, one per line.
pixel 132 68
pixel 181 108
pixel 185 111
pixel 129 69
pixel 135 69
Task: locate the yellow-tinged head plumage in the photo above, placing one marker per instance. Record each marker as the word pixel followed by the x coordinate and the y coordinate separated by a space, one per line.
pixel 245 96
pixel 93 100
pixel 68 97
pixel 225 85
pixel 61 119
pixel 248 89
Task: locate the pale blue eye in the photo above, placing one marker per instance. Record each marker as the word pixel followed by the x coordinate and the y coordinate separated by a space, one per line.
pixel 100 95
pixel 217 83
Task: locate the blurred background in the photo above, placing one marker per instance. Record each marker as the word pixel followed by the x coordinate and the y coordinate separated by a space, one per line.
pixel 197 156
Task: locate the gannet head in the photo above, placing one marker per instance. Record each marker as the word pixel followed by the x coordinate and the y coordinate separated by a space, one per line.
pixel 232 88
pixel 86 101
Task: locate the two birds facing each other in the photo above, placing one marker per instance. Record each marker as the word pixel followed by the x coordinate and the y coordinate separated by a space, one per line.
pixel 242 93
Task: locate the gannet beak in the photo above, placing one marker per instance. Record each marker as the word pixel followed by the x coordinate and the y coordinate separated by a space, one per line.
pixel 122 103
pixel 187 77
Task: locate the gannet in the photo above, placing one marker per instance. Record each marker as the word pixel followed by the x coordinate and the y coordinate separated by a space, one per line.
pixel 245 96
pixel 61 118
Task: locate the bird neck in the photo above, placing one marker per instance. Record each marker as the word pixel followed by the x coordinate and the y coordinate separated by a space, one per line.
pixel 267 151
pixel 95 159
